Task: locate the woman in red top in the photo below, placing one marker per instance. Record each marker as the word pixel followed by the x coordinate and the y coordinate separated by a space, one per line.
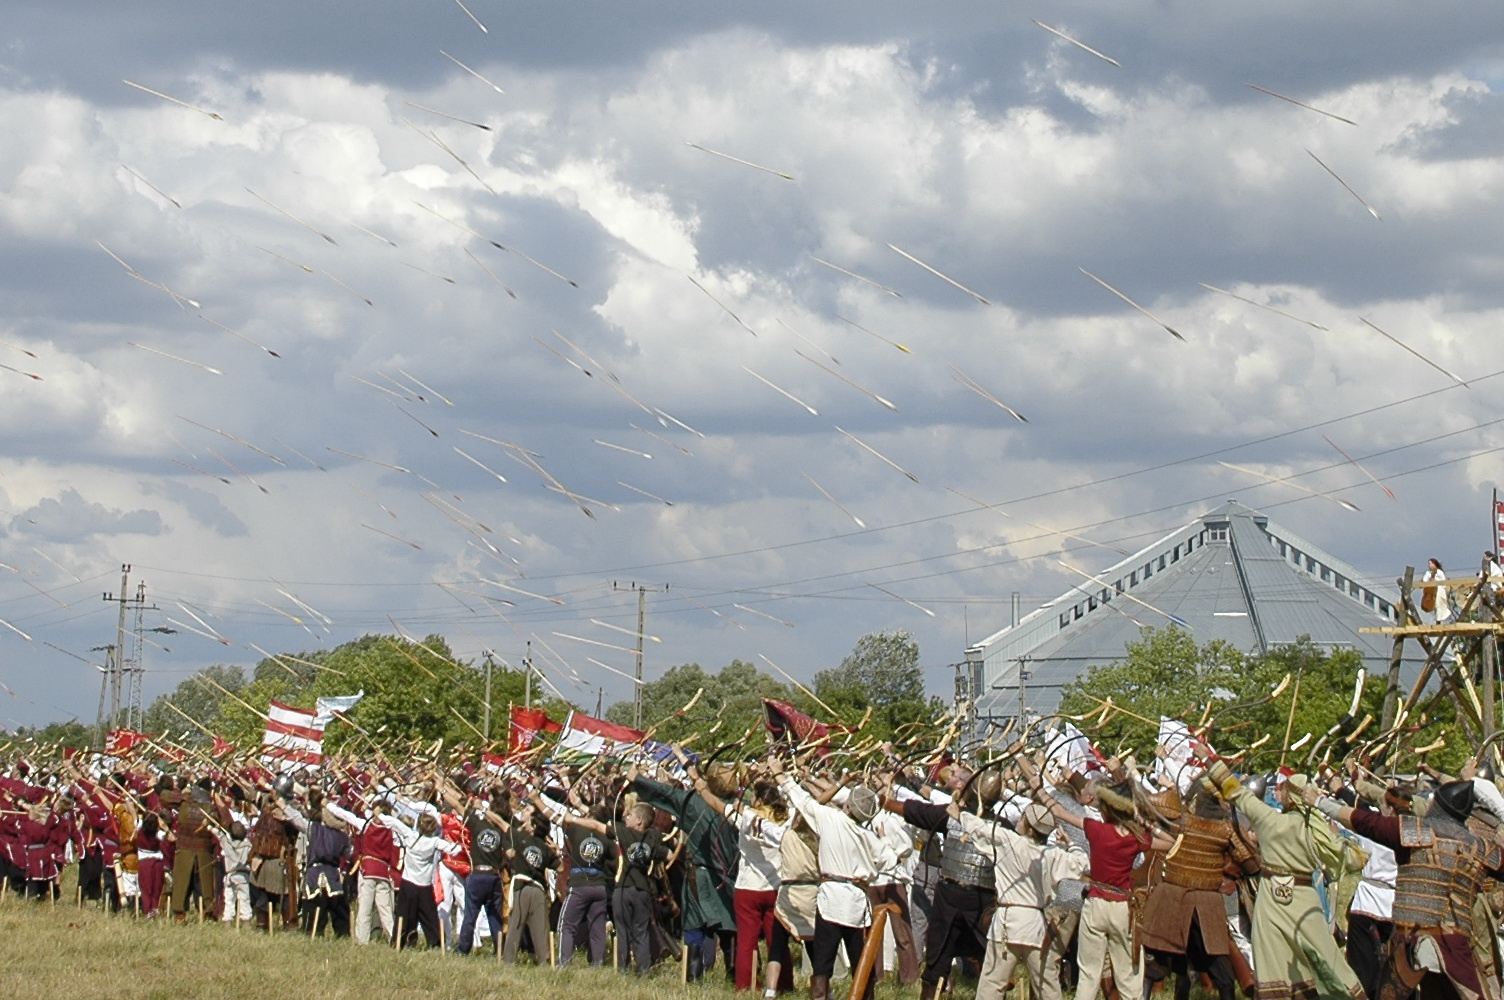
pixel 150 865
pixel 1106 931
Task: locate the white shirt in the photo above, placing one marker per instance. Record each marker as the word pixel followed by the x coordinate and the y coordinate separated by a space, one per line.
pixel 758 841
pixel 1374 896
pixel 1443 602
pixel 420 854
pixel 847 852
pixel 899 836
pixel 1027 874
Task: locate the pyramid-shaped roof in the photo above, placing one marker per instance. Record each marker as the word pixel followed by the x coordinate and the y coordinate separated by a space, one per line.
pixel 1229 575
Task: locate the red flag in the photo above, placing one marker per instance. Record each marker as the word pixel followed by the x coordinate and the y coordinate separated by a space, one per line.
pixel 527 723
pixel 120 742
pixel 785 722
pixel 221 748
pixel 1498 526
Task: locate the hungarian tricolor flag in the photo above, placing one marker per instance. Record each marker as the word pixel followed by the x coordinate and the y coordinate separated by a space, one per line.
pixel 785 722
pixel 527 723
pixel 583 736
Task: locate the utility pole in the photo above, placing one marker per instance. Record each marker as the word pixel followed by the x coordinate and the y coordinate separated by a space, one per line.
pixel 485 725
pixel 642 609
pixel 115 669
pixel 527 676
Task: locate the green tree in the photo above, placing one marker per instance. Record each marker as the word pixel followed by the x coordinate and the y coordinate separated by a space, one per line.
pixel 198 698
pixel 72 734
pixel 881 672
pixel 1164 673
pixel 731 698
pixel 414 691
pixel 1167 674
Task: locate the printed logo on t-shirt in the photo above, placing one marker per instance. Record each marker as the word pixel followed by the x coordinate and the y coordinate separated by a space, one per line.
pixel 488 840
pixel 591 852
pixel 639 854
pixel 533 855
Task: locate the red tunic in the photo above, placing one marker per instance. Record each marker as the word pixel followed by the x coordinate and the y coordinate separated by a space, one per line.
pixel 378 852
pixel 1112 855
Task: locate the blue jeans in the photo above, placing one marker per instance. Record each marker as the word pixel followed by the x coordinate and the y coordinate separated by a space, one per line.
pixel 481 889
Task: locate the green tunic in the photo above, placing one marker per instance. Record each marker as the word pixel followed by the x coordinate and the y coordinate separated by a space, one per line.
pixel 712 855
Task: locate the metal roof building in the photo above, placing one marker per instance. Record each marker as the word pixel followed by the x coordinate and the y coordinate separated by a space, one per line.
pixel 1230 574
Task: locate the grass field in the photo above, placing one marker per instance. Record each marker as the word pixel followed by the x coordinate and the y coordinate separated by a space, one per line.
pixel 49 952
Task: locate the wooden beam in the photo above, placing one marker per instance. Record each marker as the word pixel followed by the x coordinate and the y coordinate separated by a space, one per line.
pixel 1397 654
pixel 1490 659
pixel 1455 581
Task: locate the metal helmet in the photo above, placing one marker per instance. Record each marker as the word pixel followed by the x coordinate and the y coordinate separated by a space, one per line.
pixel 988 787
pixel 1456 798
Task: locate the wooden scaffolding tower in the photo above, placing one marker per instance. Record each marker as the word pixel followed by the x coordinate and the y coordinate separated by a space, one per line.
pixel 1461 654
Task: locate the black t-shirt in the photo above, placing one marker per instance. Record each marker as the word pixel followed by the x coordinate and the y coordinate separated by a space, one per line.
pixel 486 850
pixel 592 857
pixel 637 853
pixel 531 856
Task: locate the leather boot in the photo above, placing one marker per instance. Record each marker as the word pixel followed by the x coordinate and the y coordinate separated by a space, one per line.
pixel 696 963
pixel 927 989
pixel 819 987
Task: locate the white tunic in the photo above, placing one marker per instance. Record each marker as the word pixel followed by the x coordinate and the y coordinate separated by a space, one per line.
pixel 1027 874
pixel 1374 896
pixel 851 857
pixel 758 841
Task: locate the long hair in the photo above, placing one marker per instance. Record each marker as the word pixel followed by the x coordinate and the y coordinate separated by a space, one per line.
pixel 1116 804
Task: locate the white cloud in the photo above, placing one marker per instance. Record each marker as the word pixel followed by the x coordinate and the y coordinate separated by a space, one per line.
pixel 1008 178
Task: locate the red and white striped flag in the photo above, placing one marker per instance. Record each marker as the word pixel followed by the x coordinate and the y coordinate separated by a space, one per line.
pixel 294 738
pixel 1498 527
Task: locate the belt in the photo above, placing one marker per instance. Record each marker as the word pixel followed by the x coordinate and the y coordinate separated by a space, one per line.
pixel 965 885
pixel 1301 880
pixel 1116 893
pixel 483 868
pixel 859 882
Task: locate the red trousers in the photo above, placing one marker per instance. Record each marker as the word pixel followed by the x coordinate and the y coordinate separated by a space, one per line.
pixel 754 922
pixel 149 873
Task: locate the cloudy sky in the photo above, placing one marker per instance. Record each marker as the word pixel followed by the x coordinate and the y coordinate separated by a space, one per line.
pixel 298 315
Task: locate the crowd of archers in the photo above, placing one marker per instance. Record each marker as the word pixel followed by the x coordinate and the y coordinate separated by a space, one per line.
pixel 1103 879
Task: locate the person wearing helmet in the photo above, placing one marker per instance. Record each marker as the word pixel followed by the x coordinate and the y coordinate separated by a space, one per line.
pixel 1185 916
pixel 1029 863
pixel 1441 870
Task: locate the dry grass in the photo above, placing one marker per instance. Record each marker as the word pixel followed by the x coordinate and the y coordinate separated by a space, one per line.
pixel 51 952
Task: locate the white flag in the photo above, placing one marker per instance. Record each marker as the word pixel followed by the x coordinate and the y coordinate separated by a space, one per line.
pixel 326 707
